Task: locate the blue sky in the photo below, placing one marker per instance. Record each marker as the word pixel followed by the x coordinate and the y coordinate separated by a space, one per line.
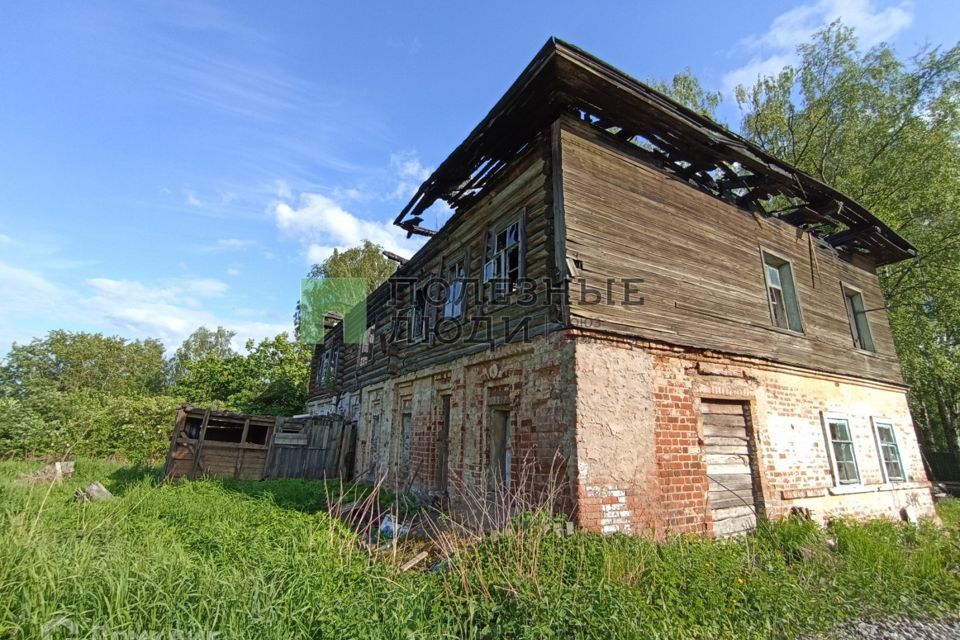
pixel 170 164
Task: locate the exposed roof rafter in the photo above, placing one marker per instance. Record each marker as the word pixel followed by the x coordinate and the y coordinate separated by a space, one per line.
pixel 563 79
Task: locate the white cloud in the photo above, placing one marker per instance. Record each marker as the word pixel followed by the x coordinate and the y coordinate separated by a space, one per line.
pixel 206 287
pixel 233 271
pixel 5 239
pixel 193 200
pixel 409 172
pixel 320 224
pixel 169 309
pixel 25 291
pixel 776 48
pixel 233 243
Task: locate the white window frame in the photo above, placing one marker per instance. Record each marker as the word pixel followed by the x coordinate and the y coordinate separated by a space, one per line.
pixel 826 418
pixel 794 323
pixel 876 421
pixel 862 337
pixel 365 355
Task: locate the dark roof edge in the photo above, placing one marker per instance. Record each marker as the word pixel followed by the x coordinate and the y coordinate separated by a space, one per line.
pixel 467 153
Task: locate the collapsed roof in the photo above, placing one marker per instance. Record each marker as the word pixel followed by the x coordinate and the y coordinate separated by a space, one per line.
pixel 563 79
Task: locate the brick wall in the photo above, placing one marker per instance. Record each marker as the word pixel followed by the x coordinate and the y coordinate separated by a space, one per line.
pixel 636 396
pixel 614 426
pixel 533 381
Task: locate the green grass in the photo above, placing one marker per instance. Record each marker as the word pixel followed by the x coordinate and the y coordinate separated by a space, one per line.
pixel 264 560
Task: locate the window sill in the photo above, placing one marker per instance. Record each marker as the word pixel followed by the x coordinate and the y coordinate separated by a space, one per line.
pixel 852 489
pixel 788 332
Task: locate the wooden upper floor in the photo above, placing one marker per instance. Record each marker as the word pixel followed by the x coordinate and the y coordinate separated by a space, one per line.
pixel 660 226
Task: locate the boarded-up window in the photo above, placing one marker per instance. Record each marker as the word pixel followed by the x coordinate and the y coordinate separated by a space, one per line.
pixel 731 466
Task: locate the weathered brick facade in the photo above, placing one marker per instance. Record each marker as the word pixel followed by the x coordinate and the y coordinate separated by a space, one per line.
pixel 612 429
pixel 651 400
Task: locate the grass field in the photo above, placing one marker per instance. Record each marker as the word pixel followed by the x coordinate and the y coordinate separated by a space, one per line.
pixel 264 560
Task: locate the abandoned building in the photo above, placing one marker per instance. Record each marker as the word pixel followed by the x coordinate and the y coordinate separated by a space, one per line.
pixel 680 332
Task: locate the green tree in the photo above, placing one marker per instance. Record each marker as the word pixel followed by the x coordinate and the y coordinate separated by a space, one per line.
pixel 366 261
pixel 886 132
pixel 202 343
pixel 89 362
pixel 271 378
pixel 686 89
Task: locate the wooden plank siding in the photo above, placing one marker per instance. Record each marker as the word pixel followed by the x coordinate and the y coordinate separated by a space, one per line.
pixel 525 189
pixel 700 259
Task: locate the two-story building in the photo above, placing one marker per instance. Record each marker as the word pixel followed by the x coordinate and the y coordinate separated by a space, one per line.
pixel 640 314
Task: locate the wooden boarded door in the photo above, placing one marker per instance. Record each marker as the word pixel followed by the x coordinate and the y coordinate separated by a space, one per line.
pixel 500 461
pixel 731 466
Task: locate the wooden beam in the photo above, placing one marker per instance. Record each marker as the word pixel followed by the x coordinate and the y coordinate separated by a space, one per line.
pixel 203 434
pixel 178 421
pixel 851 235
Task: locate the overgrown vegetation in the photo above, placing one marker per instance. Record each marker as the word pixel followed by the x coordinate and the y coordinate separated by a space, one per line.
pixel 265 560
pixel 94 395
pixel 104 396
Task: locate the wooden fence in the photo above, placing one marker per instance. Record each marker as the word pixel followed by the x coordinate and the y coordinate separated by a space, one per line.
pixel 321 447
pixel 208 442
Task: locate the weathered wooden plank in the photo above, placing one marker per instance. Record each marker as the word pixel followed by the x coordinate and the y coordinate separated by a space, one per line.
pixel 715 460
pixel 725 420
pixel 199 449
pixel 725 432
pixel 614 203
pixel 728 469
pixel 722 412
pixel 735 482
pixel 740 449
pixel 727 500
pixel 733 526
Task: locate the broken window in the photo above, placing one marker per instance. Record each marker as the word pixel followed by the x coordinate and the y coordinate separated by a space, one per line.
pixel 857 316
pixel 417 315
pixel 454 276
pixel 889 452
pixel 844 456
pixel 503 266
pixel 366 348
pixel 327 371
pixel 781 293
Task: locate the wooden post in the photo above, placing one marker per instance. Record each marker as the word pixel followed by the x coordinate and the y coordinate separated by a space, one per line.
pixel 243 447
pixel 167 468
pixel 203 434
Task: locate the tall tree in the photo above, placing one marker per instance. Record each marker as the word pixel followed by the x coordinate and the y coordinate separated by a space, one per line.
pixel 686 89
pixel 887 132
pixel 202 343
pixel 366 262
pixel 271 378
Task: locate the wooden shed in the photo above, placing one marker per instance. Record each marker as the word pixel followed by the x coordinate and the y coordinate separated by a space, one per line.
pixel 252 447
